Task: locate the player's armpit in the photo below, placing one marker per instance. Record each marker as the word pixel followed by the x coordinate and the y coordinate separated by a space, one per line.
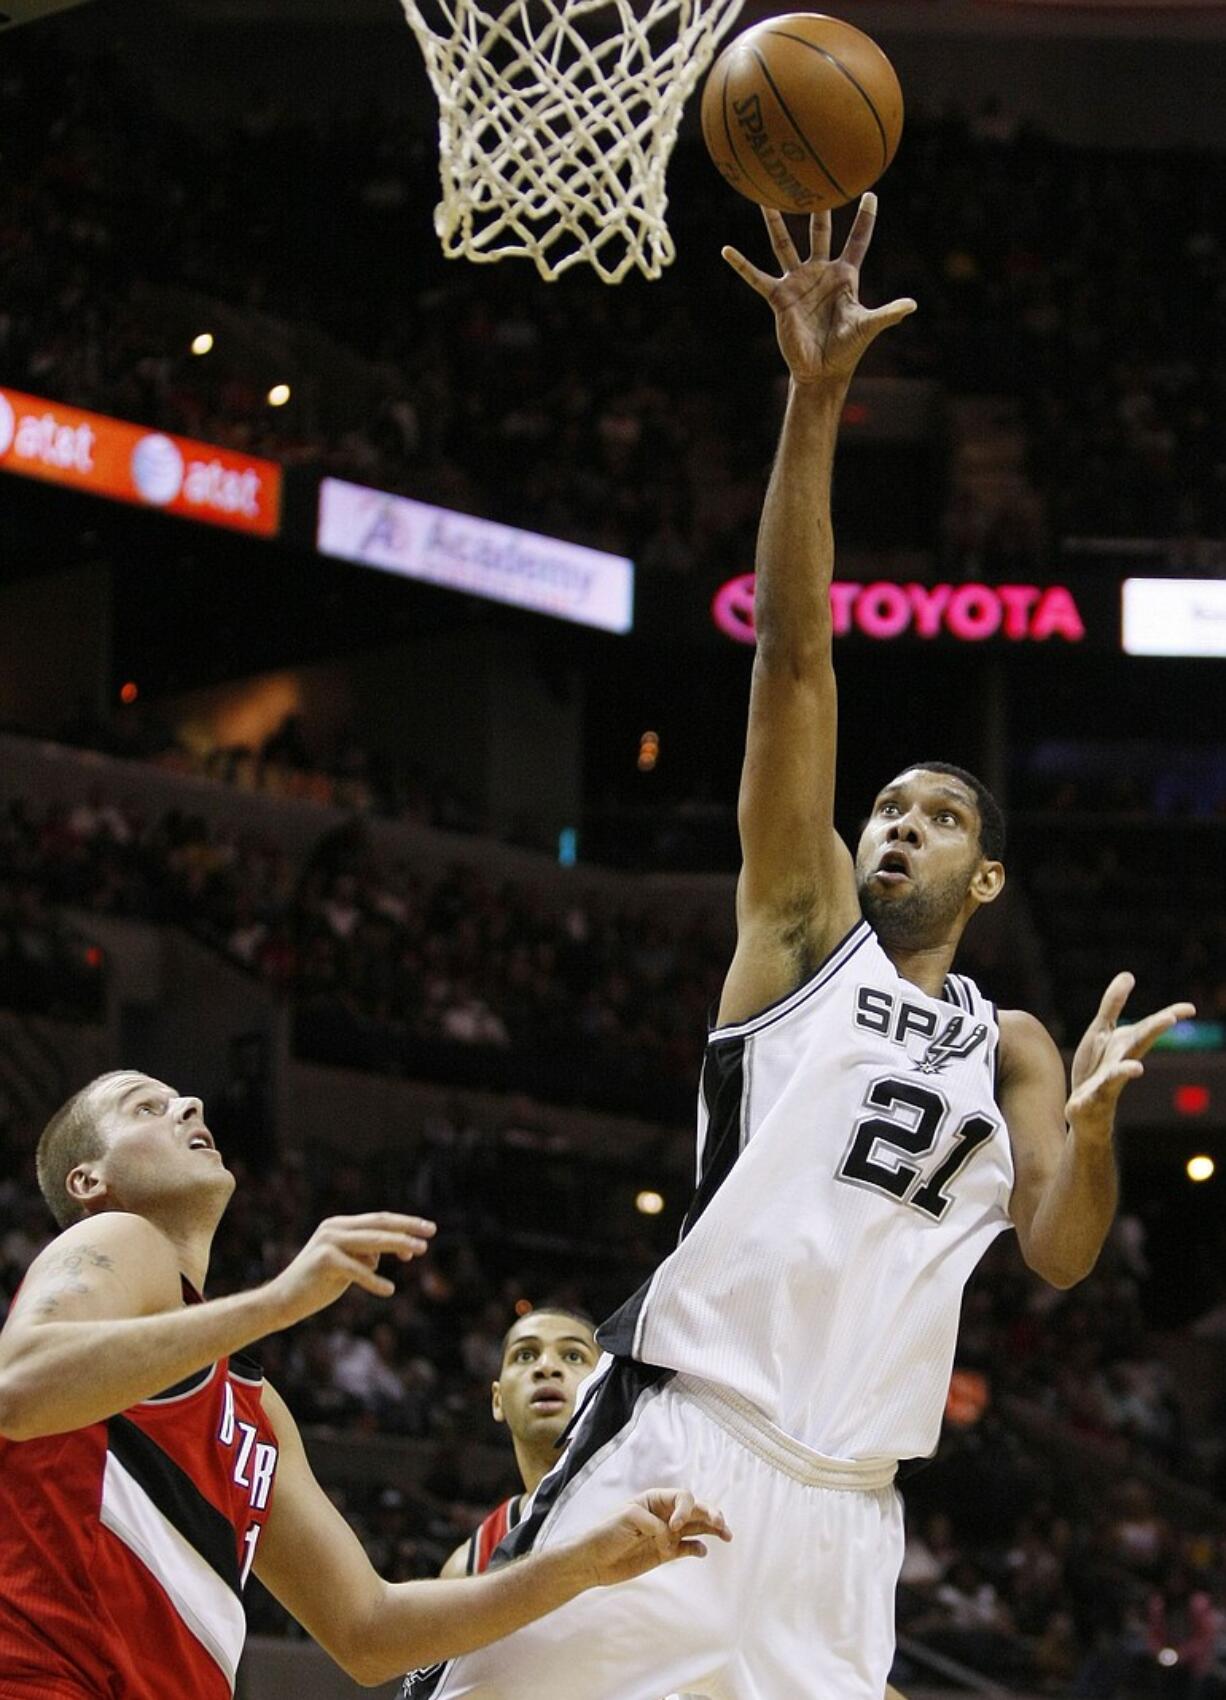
pixel 457 1563
pixel 778 948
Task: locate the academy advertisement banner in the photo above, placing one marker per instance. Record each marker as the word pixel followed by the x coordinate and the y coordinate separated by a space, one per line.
pixel 460 552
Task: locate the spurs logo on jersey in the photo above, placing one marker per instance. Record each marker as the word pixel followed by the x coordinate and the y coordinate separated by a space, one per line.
pixel 952 1043
pixel 853 1168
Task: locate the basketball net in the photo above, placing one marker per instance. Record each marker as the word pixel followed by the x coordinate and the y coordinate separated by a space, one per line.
pixel 556 124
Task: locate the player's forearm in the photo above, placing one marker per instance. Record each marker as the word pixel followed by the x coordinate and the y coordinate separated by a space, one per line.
pixel 424 1623
pixel 58 1376
pixel 1075 1213
pixel 795 553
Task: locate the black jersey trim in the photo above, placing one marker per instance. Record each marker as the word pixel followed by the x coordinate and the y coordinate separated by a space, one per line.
pixel 619 1333
pixel 177 1497
pixel 181 1389
pixel 830 965
pixel 246 1370
pixel 724 1080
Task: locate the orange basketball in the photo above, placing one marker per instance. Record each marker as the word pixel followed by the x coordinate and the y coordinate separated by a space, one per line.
pixel 802 112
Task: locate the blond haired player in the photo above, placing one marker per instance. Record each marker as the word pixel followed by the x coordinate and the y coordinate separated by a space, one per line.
pixel 146 1467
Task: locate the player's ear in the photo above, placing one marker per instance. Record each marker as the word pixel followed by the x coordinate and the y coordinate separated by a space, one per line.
pixel 496 1403
pixel 988 881
pixel 85 1186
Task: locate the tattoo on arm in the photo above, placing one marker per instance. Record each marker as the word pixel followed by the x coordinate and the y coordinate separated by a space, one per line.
pixel 69 1270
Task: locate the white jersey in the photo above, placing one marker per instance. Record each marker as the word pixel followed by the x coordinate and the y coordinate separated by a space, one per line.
pixel 853 1168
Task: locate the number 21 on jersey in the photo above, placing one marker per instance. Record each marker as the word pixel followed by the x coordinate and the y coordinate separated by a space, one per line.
pixel 906 1122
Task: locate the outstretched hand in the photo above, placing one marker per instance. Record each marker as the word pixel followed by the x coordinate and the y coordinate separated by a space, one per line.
pixel 1109 1056
pixel 657 1527
pixel 822 326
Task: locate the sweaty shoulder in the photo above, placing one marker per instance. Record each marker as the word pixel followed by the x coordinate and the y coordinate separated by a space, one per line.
pixel 111 1265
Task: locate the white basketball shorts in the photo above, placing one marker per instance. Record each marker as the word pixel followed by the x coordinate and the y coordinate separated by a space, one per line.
pixel 799 1604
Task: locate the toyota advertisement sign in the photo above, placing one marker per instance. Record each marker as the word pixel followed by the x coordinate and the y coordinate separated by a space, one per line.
pixel 461 552
pixel 129 463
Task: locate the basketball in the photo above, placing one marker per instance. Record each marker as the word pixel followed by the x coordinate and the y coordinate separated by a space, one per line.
pixel 802 112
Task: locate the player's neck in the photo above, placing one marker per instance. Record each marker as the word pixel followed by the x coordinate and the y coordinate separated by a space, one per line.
pixel 193 1245
pixel 533 1469
pixel 926 966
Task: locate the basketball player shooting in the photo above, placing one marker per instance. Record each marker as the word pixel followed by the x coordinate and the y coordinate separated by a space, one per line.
pixel 146 1467
pixel 868 1124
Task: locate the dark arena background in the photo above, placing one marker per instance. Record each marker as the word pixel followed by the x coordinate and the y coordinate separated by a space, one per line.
pixel 428 894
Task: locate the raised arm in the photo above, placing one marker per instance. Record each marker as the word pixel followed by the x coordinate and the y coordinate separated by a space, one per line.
pixel 310 1560
pixel 796 896
pixel 99 1322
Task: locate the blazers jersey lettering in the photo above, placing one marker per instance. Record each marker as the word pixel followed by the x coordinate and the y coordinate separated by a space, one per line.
pixel 853 1168
pixel 124 1546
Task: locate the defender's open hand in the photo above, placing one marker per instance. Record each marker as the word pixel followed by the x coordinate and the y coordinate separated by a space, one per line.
pixel 1108 1057
pixel 823 328
pixel 344 1251
pixel 655 1528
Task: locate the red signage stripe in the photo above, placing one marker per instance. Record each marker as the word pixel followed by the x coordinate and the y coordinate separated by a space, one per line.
pixel 131 463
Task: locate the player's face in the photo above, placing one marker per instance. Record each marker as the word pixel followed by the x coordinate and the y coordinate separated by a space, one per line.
pixel 158 1148
pixel 545 1359
pixel 919 865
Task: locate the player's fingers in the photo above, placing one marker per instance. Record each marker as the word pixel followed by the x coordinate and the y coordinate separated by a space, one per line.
pixel 1114 998
pixel 756 279
pixel 1108 1083
pixel 880 319
pixel 819 236
pixel 706 1523
pixel 367 1241
pixel 1113 1079
pixel 861 232
pixel 689 1549
pixel 683 1510
pixel 781 239
pixel 362 1275
pixel 391 1221
pixel 1143 1035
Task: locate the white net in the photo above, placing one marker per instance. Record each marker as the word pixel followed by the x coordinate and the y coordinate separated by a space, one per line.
pixel 556 123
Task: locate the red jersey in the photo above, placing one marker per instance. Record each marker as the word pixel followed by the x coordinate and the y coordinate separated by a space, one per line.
pixel 124 1546
pixel 482 1541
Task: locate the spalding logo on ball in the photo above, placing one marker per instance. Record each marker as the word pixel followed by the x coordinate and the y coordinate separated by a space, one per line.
pixel 802 112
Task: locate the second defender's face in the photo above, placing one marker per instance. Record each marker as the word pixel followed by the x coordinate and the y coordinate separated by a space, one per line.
pixel 545 1359
pixel 918 855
